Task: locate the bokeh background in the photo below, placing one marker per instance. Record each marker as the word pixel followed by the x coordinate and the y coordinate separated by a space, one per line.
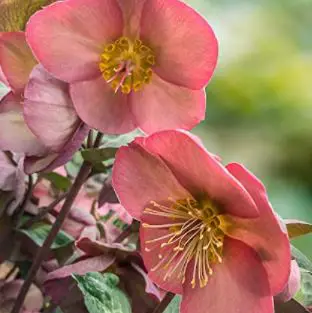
pixel 259 103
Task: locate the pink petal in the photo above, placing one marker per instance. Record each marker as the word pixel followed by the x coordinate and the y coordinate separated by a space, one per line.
pixel 16 60
pixel 293 284
pixel 185 45
pixel 48 109
pixel 69 36
pixel 19 188
pixel 14 133
pixel 51 161
pixel 8 176
pixel 132 11
pixel 101 108
pixel 149 286
pixel 264 234
pixel 94 264
pixel 134 285
pixel 162 105
pixel 97 247
pixel 140 177
pixel 237 285
pixel 199 172
pixel 151 259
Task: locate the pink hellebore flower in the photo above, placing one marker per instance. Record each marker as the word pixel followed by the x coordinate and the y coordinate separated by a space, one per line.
pixel 37 117
pixel 130 63
pixel 208 232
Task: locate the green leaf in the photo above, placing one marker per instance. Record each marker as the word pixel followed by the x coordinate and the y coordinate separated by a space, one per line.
pixel 101 294
pixel 73 166
pixel 116 141
pixel 3 90
pixel 39 232
pixel 24 267
pixel 98 155
pixel 304 295
pixel 297 228
pixel 301 259
pixel 174 305
pixel 58 181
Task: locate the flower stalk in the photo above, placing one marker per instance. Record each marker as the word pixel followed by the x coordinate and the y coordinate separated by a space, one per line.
pixel 79 181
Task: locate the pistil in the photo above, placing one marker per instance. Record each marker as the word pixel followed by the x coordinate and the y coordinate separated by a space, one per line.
pixel 126 65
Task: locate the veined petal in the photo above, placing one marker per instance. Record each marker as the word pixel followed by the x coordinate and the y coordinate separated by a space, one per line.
pixel 162 105
pixel 99 107
pixel 239 285
pixel 265 234
pixel 14 133
pixel 132 12
pixel 16 60
pixel 8 176
pixel 68 37
pixel 185 45
pixel 48 109
pixel 52 161
pixel 200 172
pixel 140 177
pixel 152 258
pixel 293 284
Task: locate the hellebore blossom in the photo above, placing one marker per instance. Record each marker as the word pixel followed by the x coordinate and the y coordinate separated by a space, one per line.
pixel 130 63
pixel 37 116
pixel 207 232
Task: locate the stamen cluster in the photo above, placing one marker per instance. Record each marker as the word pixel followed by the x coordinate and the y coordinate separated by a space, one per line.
pixel 126 65
pixel 194 239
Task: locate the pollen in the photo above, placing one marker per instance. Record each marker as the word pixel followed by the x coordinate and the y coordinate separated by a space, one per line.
pixel 126 65
pixel 193 242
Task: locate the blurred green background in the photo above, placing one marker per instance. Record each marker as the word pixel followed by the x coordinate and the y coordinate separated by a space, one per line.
pixel 259 103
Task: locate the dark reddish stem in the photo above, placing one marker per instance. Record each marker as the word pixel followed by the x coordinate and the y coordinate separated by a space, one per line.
pixel 43 251
pixel 44 211
pixel 164 303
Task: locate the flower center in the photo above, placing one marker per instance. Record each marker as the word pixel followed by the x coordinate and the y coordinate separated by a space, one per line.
pixel 194 234
pixel 127 65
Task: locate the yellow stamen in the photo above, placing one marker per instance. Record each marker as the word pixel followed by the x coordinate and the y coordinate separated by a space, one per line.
pixel 194 235
pixel 127 65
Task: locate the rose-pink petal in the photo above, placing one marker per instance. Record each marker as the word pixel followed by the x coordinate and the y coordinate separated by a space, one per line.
pixel 185 46
pixel 149 285
pixel 199 172
pixel 48 109
pixel 162 105
pixel 51 161
pixel 293 284
pixel 16 60
pixel 151 259
pixel 237 285
pixel 132 12
pixel 140 177
pixel 14 133
pixel 7 170
pixel 68 37
pixel 265 234
pixel 100 107
pixel 94 264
